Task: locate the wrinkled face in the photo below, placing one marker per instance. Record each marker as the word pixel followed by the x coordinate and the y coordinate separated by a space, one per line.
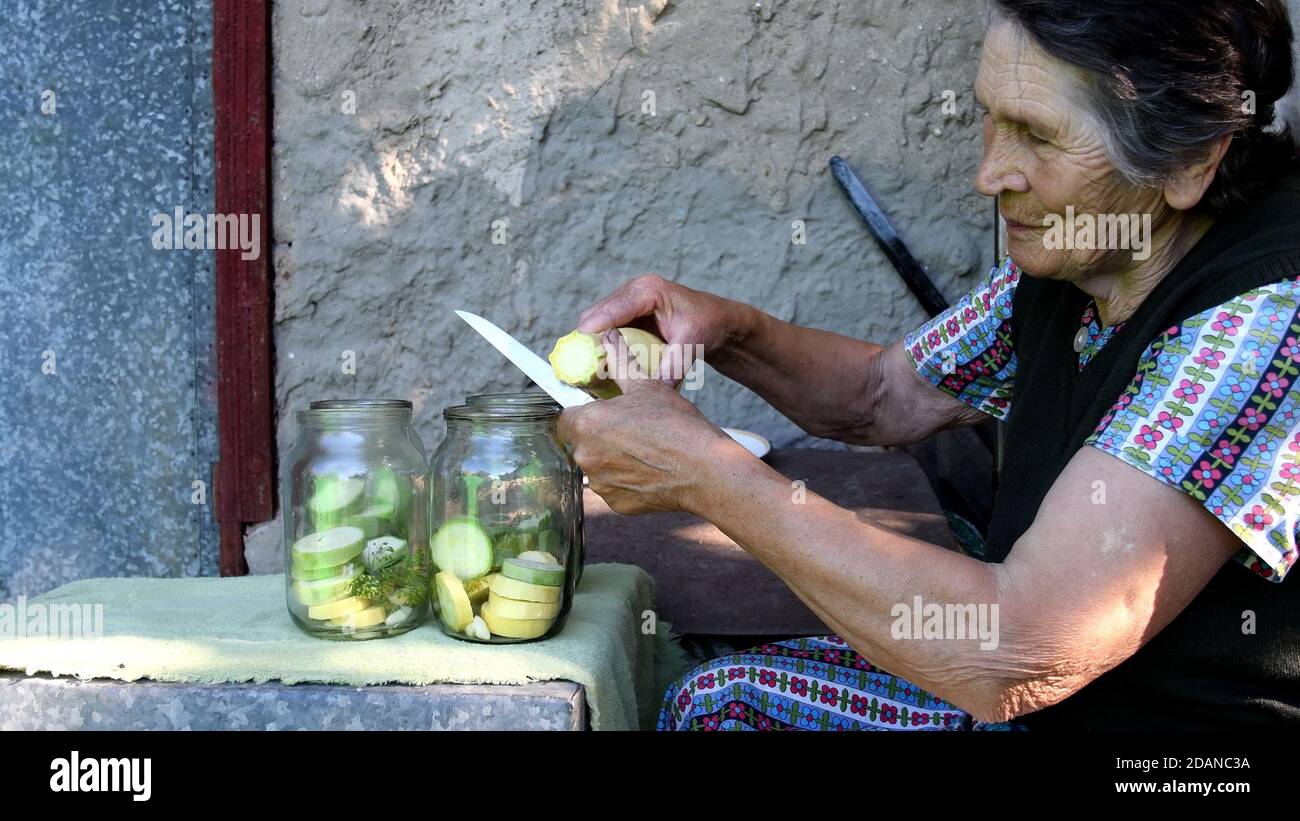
pixel 1042 154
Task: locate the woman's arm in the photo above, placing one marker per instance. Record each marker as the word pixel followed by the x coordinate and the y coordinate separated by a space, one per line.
pixel 1081 591
pixel 1095 576
pixel 832 386
pixel 836 387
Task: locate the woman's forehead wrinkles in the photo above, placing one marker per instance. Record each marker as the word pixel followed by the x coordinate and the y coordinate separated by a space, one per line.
pixel 1013 69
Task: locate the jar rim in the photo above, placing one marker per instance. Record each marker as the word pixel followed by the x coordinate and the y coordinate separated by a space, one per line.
pixel 360 404
pixel 512 398
pixel 356 412
pixel 501 413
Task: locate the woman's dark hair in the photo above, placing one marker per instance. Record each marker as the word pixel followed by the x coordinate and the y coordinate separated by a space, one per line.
pixel 1168 78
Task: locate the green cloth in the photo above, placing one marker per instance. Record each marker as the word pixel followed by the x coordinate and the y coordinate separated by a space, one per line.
pixel 211 630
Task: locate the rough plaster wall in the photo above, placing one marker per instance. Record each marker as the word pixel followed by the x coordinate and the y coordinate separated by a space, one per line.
pixel 467 113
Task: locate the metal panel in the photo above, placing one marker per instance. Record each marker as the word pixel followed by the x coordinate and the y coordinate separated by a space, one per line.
pixel 107 398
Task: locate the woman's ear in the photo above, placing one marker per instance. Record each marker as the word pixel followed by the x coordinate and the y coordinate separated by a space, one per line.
pixel 1185 188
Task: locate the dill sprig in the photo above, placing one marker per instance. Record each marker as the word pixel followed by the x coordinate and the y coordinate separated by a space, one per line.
pixel 401 578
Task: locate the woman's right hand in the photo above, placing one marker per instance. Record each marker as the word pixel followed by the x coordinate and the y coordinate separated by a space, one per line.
pixel 691 322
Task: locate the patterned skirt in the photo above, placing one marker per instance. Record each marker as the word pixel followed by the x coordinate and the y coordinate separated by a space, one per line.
pixel 805 684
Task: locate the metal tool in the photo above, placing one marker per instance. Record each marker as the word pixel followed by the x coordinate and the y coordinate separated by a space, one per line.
pixel 918 281
pixel 888 239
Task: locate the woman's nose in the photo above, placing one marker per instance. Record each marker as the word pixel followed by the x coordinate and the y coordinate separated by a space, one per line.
pixel 1000 169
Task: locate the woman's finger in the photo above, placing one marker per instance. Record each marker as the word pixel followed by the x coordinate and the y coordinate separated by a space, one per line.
pixel 620 308
pixel 623 366
pixel 675 361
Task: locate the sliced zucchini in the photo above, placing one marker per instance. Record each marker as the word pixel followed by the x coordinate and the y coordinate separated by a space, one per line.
pixel 453 604
pixel 533 572
pixel 361 619
pixel 514 628
pixel 523 591
pixel 301 574
pixel 463 547
pixel 391 490
pixel 516 609
pixel 323 591
pixel 335 609
pixel 334 498
pixel 539 556
pixel 375 520
pixel 328 548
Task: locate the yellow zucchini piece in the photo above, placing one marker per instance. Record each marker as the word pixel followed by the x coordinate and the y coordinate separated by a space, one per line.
pixel 523 591
pixel 453 603
pixel 516 609
pixel 361 619
pixel 514 628
pixel 578 358
pixel 334 610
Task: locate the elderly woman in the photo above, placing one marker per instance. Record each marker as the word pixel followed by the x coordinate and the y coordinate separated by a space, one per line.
pixel 1149 392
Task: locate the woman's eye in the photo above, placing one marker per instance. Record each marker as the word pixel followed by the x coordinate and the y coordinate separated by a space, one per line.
pixel 1035 139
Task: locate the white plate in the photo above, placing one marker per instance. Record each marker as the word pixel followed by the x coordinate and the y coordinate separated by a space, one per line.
pixel 755 444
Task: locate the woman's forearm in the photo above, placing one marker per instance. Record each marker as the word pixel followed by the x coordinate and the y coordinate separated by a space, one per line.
pixel 854 574
pixel 824 382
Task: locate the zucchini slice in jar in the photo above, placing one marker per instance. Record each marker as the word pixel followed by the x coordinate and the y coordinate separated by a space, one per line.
pixel 328 548
pixel 334 498
pixel 463 547
pixel 453 604
pixel 533 572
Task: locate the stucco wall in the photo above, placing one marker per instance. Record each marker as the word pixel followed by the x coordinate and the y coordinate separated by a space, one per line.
pixel 470 113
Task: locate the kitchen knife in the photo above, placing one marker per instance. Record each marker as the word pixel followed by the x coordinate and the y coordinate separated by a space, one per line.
pixel 533 366
pixel 539 370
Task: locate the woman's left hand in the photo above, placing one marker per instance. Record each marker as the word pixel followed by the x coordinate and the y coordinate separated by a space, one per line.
pixel 648 450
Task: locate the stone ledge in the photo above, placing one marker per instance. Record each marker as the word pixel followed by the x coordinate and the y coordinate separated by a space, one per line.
pixel 45 703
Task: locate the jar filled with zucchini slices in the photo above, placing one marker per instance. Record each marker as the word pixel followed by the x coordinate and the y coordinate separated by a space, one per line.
pixel 503 518
pixel 355 521
pixel 538 398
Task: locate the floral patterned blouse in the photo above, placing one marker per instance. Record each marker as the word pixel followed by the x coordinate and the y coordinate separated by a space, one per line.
pixel 1213 409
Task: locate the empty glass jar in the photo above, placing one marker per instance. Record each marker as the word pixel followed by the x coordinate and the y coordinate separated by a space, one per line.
pixel 503 516
pixel 539 398
pixel 355 521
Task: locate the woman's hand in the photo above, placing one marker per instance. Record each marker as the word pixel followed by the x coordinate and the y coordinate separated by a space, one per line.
pixel 691 322
pixel 648 450
pixel 830 385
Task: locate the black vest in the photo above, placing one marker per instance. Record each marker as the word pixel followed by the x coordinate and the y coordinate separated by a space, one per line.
pixel 1200 671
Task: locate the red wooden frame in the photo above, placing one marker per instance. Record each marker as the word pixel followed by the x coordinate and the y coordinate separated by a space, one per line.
pixel 244 480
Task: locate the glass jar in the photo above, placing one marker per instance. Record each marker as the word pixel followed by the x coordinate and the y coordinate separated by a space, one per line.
pixel 356 551
pixel 503 519
pixel 536 398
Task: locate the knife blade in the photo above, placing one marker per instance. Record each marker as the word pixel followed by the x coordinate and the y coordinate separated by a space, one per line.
pixel 533 366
